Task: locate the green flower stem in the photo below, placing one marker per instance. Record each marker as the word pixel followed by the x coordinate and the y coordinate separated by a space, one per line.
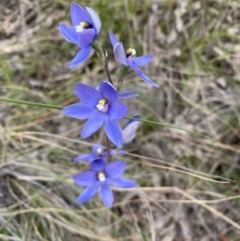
pixel 122 73
pixel 108 149
pixel 23 102
pixel 96 45
pixel 107 71
pixel 103 56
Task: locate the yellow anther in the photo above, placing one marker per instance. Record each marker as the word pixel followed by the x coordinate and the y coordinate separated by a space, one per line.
pixel 130 51
pixel 103 101
pixel 101 176
pixel 85 25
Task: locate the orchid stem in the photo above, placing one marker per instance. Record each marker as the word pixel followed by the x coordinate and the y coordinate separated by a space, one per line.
pixel 104 57
pixel 108 150
pixel 106 68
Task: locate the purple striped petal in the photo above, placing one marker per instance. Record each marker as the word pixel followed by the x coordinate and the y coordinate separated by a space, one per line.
pixel 142 60
pixel 121 182
pixel 117 110
pixel 108 91
pixel 88 95
pixel 97 24
pixel 69 33
pixel 79 14
pixel 88 193
pixel 79 111
pixel 81 56
pixel 106 195
pixel 113 38
pixel 92 125
pixel 119 53
pixel 98 165
pixel 115 169
pixel 86 37
pixel 127 94
pixel 85 157
pixel 113 131
pixel 147 80
pixel 85 178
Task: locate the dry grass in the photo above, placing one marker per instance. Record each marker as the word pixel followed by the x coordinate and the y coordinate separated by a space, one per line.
pixel 187 166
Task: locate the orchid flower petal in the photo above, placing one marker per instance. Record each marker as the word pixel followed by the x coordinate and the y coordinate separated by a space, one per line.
pixel 79 111
pixel 79 14
pixel 69 33
pixel 147 80
pixel 115 169
pixel 86 37
pixel 92 125
pixel 85 178
pixel 85 157
pixel 119 53
pixel 88 95
pixel 108 91
pixel 121 182
pixel 113 39
pixel 129 131
pixel 137 70
pixel 117 111
pixel 134 118
pixel 81 56
pixel 106 195
pixel 88 193
pixel 97 24
pixel 113 131
pixel 142 60
pixel 98 165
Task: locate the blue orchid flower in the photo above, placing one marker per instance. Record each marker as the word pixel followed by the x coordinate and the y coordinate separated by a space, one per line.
pixel 101 177
pixel 100 107
pixel 129 131
pixel 126 58
pixel 98 151
pixel 86 26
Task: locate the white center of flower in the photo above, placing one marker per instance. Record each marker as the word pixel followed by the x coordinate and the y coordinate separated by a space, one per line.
pixel 99 151
pixel 130 52
pixel 79 28
pixel 102 105
pixel 101 177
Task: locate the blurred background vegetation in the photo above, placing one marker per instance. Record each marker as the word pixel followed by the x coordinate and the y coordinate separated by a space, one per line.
pixel 187 165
